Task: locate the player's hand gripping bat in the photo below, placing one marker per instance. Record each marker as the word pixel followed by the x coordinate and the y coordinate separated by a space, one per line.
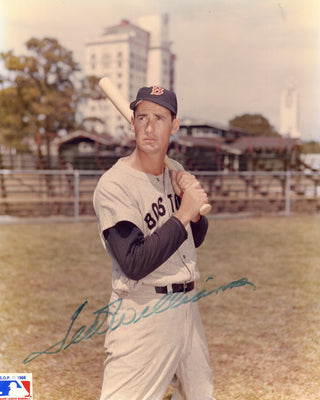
pixel 122 105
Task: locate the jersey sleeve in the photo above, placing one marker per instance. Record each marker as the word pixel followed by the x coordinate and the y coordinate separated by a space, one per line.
pixel 112 204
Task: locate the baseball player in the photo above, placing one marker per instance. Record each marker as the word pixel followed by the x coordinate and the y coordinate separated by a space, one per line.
pixel 149 223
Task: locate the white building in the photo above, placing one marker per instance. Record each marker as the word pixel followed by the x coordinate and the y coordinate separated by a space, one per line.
pixel 120 53
pixel 132 56
pixel 160 58
pixel 289 110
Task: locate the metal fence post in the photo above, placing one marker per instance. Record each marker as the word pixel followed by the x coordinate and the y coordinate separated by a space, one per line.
pixel 28 193
pixel 76 175
pixel 287 193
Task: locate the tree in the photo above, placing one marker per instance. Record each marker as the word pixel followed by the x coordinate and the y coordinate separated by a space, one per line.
pixel 311 147
pixel 11 120
pixel 89 90
pixel 256 124
pixel 39 97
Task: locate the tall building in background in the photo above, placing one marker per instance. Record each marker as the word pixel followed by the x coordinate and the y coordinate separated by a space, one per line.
pixel 289 111
pixel 160 59
pixel 120 53
pixel 132 56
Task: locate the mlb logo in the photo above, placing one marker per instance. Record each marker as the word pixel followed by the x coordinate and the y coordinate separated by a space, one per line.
pixel 15 386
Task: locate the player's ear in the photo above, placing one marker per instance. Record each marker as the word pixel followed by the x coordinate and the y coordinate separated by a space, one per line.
pixel 175 126
pixel 132 124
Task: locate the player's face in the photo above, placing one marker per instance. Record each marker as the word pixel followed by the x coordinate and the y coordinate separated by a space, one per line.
pixel 153 125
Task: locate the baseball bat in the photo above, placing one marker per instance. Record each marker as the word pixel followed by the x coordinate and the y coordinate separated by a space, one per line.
pixel 122 105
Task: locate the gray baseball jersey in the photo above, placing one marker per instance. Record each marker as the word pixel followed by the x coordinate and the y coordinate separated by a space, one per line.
pixel 126 194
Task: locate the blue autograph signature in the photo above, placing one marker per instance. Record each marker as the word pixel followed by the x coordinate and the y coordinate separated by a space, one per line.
pixel 166 302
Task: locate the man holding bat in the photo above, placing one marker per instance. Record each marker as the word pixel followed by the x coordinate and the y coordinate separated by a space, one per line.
pixel 150 224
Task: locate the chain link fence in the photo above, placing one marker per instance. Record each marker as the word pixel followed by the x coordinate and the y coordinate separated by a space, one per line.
pixel 44 193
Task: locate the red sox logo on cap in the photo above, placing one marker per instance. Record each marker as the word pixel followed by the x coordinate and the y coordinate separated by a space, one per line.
pixel 157 94
pixel 157 90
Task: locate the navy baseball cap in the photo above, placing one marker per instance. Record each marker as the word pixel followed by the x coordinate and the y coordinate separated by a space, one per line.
pixel 159 95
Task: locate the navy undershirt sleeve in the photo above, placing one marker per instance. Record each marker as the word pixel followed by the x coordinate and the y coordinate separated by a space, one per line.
pixel 137 255
pixel 199 230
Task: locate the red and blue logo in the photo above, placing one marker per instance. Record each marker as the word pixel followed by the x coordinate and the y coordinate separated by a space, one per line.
pixel 15 386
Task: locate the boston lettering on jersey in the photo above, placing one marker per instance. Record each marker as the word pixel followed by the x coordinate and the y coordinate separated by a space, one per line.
pixel 159 210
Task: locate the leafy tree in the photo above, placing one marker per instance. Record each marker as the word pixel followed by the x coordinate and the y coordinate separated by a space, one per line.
pixel 11 121
pixel 39 97
pixel 256 124
pixel 89 90
pixel 311 147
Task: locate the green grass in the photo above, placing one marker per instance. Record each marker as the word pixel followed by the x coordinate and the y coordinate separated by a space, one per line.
pixel 264 344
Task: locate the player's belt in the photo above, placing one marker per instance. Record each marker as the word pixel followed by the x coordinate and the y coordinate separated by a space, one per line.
pixel 176 287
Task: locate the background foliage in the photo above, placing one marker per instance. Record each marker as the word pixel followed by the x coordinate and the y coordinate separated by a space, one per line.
pixel 41 95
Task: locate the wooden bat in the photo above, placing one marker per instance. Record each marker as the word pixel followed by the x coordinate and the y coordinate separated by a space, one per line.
pixel 122 105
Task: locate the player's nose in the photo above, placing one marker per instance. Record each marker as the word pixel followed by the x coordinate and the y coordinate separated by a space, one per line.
pixel 149 126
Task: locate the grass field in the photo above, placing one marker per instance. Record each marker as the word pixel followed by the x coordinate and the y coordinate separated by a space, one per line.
pixel 264 344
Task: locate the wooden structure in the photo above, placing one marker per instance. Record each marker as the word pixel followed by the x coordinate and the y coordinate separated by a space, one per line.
pixel 243 154
pixel 40 193
pixel 203 146
pixel 203 153
pixel 268 153
pixel 91 151
pixel 198 147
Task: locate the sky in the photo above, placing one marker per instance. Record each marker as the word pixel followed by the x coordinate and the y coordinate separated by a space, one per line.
pixel 233 56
